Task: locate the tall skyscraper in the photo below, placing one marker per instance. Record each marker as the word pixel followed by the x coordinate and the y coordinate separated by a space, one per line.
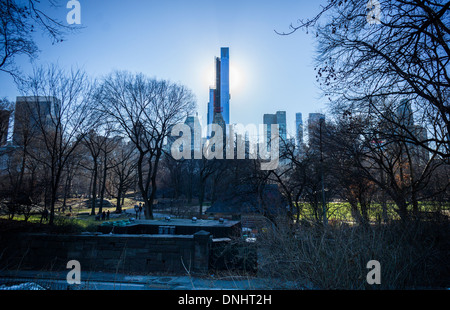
pixel 225 84
pixel 219 95
pixel 277 118
pixel 269 119
pixel 299 128
pixel 281 121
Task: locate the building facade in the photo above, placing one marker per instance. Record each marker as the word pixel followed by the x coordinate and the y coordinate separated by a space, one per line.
pixel 273 119
pixel 4 126
pixel 32 115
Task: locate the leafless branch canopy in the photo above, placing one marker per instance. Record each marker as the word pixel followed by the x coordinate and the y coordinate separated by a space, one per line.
pixel 368 67
pixel 19 20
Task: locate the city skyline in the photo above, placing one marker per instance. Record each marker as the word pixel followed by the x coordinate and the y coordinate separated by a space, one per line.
pixel 184 54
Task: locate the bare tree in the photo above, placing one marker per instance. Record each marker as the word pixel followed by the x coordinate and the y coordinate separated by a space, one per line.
pixel 123 171
pixel 19 170
pixel 294 176
pixel 144 109
pixel 6 110
pixel 108 163
pixel 344 139
pixel 368 61
pixel 100 147
pixel 19 20
pixel 204 170
pixel 72 170
pixel 57 101
pixel 367 156
pixel 93 142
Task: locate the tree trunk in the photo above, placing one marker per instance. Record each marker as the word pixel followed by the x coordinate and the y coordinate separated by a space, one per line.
pixel 154 186
pixel 119 197
pixel 355 211
pixel 52 205
pixel 415 203
pixel 94 188
pixel 201 196
pixel 67 186
pixel 402 209
pixel 102 191
pixel 148 209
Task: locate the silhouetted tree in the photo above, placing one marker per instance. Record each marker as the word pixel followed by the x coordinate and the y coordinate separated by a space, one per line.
pixel 19 21
pixel 368 61
pixel 60 130
pixel 144 109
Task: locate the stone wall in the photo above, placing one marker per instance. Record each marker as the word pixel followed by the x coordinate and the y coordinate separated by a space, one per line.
pixel 108 253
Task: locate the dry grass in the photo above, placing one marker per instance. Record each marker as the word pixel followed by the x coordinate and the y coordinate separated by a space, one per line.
pixel 413 255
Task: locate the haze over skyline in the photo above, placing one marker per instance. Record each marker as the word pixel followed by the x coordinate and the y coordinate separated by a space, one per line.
pixel 178 41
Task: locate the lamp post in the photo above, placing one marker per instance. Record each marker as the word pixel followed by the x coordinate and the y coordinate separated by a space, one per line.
pixel 324 207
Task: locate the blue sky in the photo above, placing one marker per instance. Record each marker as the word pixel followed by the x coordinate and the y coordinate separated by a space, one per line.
pixel 178 40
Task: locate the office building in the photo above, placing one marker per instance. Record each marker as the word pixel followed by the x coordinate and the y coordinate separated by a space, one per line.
pixel 281 121
pixel 4 126
pixel 269 119
pixel 277 118
pixel 32 116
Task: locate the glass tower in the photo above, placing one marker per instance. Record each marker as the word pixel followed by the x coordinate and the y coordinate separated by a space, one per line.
pixel 219 95
pixel 225 84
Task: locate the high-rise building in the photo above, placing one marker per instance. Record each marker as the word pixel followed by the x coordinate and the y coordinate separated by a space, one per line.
pixel 405 114
pixel 281 121
pixel 219 95
pixel 269 120
pixel 32 115
pixel 4 126
pixel 299 128
pixel 196 133
pixel 225 84
pixel 277 118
